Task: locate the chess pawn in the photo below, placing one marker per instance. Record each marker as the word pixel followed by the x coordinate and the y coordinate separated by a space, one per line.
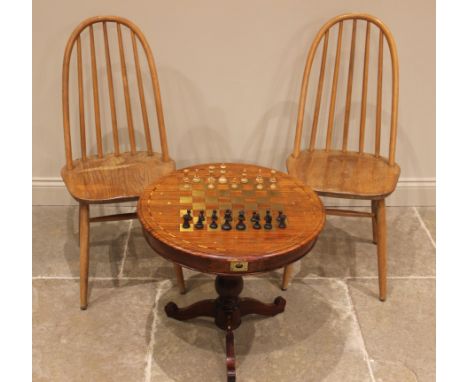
pixel 227 221
pixel 254 216
pixel 187 218
pixel 273 180
pixel 201 219
pixel 281 219
pixel 256 220
pixel 222 179
pixel 196 177
pixel 268 220
pixel 211 179
pixel 244 178
pixel 240 226
pixel 234 183
pixel 214 218
pixel 186 179
pixel 259 180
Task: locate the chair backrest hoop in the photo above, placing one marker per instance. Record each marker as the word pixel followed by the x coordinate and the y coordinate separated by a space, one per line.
pixel 74 40
pixel 323 34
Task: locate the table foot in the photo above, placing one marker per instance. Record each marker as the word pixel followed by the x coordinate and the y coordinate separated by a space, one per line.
pixel 227 311
pixel 204 308
pixel 230 357
pixel 253 306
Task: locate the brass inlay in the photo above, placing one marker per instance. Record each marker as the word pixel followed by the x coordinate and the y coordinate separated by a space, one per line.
pixel 239 266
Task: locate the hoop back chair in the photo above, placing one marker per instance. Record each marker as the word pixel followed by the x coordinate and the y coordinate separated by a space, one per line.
pixel 116 172
pixel 330 167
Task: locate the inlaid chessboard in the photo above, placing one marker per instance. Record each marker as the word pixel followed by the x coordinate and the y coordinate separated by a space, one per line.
pixel 247 197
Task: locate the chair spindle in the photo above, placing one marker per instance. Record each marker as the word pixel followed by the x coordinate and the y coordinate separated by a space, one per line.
pixel 110 81
pixel 365 76
pixel 331 114
pixel 318 98
pixel 144 112
pixel 81 99
pixel 97 113
pixel 378 114
pixel 349 90
pixel 128 107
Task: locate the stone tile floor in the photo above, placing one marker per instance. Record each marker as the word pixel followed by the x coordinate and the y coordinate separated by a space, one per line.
pixel 334 327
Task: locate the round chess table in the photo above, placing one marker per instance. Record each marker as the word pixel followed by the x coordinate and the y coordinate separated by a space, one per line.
pixel 230 254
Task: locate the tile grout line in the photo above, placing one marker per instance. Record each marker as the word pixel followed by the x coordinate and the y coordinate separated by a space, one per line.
pixel 423 225
pixel 119 276
pixel 149 351
pixel 145 278
pixel 356 321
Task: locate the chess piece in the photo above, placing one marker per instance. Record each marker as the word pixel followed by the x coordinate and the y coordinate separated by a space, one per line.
pixel 214 218
pixel 254 216
pixel 196 177
pixel 222 179
pixel 268 220
pixel 200 220
pixel 259 180
pixel 187 218
pixel 281 219
pixel 211 179
pixel 256 220
pixel 227 221
pixel 244 178
pixel 234 183
pixel 186 179
pixel 273 180
pixel 240 226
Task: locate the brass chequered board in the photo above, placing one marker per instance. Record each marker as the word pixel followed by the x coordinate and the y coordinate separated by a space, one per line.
pixel 246 197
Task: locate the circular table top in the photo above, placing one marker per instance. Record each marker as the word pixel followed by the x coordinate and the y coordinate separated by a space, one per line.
pixel 162 205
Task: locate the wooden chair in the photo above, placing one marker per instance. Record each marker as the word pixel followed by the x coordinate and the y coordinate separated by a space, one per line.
pixel 114 173
pixel 333 169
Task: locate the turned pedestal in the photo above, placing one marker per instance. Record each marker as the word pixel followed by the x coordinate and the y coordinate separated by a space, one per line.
pixel 227 311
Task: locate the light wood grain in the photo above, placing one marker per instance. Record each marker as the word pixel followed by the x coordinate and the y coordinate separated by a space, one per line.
pixel 81 98
pixel 128 106
pixel 331 114
pixel 348 175
pixel 117 176
pixel 349 88
pixel 84 254
pixel 97 110
pixel 110 81
pixel 343 173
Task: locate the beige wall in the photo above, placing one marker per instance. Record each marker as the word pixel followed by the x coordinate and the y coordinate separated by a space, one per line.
pixel 230 74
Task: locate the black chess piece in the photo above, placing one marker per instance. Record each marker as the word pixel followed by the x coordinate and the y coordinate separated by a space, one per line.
pixel 254 217
pixel 268 220
pixel 281 219
pixel 187 218
pixel 228 215
pixel 214 218
pixel 200 220
pixel 227 221
pixel 256 220
pixel 240 226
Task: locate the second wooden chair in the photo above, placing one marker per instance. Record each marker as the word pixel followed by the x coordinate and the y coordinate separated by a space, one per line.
pixel 333 168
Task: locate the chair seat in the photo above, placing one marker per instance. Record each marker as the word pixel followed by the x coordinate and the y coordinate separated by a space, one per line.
pixel 345 174
pixel 114 178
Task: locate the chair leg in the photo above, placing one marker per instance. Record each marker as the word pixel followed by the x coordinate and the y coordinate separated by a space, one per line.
pixel 84 254
pixel 287 276
pixel 374 221
pixel 382 248
pixel 180 278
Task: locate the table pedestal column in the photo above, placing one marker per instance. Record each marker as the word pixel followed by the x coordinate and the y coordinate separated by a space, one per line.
pixel 227 311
